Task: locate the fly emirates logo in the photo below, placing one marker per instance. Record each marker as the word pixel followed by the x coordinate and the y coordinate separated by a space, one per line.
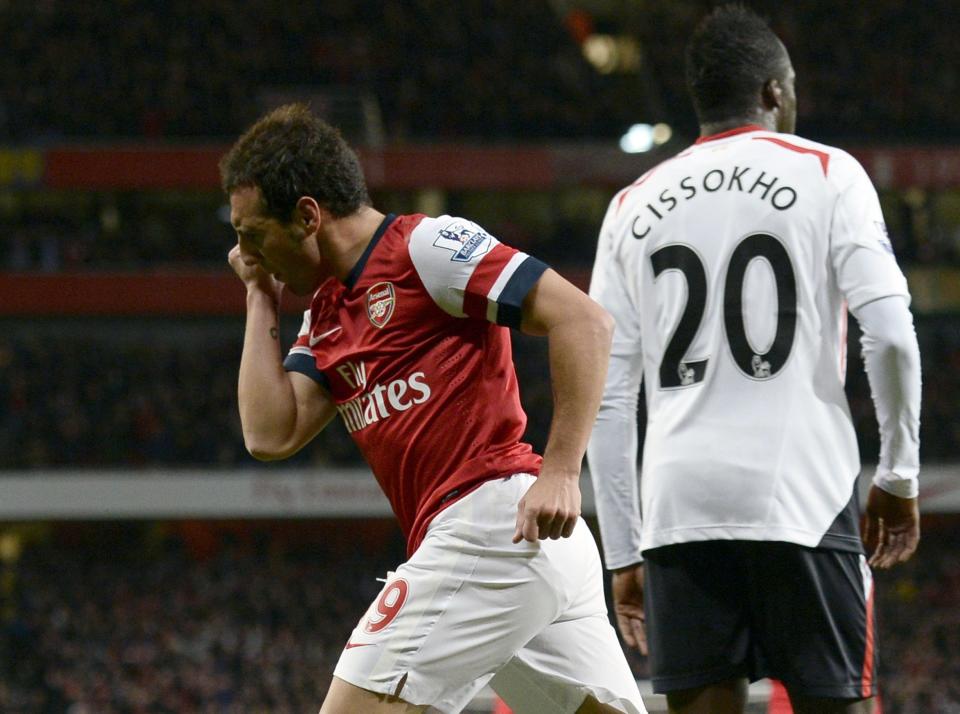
pixel 381 401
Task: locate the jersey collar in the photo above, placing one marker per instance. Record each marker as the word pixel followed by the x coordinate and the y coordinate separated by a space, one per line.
pixel 354 275
pixel 730 132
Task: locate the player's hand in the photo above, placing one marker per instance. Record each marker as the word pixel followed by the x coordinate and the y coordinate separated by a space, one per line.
pixel 891 529
pixel 253 275
pixel 549 509
pixel 627 587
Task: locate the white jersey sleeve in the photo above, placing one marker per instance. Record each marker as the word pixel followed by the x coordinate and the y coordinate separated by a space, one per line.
pixel 860 249
pixel 469 273
pixel 612 450
pixel 892 361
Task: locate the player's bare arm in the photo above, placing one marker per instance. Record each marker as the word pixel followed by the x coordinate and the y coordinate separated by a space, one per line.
pixel 579 333
pixel 280 411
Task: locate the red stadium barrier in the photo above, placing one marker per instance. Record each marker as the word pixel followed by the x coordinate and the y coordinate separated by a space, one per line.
pixel 172 293
pixel 445 167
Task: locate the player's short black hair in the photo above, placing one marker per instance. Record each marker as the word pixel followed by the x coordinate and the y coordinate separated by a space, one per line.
pixel 290 153
pixel 731 55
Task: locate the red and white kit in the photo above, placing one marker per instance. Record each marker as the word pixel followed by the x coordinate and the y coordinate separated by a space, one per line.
pixel 431 401
pixel 415 350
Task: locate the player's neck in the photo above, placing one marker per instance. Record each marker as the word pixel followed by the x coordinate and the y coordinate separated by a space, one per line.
pixel 763 120
pixel 343 240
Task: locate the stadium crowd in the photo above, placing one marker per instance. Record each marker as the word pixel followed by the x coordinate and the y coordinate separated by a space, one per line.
pixel 919 620
pixel 185 69
pixel 493 69
pixel 163 404
pixel 125 622
pixel 171 400
pixel 102 628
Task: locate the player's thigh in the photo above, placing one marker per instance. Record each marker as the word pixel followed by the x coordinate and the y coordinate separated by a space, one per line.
pixel 346 698
pixel 815 621
pixel 458 610
pixel 697 615
pixel 820 705
pixel 570 663
pixel 576 660
pixel 729 697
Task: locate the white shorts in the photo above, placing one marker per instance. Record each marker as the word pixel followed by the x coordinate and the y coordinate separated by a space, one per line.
pixel 471 608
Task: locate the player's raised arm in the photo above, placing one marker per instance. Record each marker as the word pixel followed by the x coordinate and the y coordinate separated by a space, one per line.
pixel 578 331
pixel 280 411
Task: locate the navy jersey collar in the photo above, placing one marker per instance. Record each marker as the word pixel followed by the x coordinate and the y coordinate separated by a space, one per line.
pixel 354 275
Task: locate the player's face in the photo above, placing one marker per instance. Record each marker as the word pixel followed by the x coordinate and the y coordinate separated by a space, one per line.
pixel 284 250
pixel 787 116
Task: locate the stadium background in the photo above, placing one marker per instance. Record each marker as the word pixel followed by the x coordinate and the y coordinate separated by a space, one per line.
pixel 147 564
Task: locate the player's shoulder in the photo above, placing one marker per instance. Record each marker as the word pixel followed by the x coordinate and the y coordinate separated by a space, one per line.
pixel 838 166
pixel 629 193
pixel 450 238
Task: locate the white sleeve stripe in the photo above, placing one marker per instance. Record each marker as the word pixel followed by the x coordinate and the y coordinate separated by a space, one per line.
pixel 508 270
pixel 300 351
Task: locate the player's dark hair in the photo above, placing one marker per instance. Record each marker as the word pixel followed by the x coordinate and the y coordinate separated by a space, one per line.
pixel 731 55
pixel 290 153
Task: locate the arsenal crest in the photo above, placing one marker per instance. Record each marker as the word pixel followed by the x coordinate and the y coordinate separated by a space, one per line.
pixel 381 299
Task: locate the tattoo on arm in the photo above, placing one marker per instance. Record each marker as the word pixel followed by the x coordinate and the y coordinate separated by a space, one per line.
pixel 273 333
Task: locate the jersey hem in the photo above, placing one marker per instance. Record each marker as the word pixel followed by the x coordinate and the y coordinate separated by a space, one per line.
pixel 797 536
pixel 438 504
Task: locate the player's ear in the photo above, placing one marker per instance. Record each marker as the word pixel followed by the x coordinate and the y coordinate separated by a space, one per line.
pixel 308 214
pixel 772 94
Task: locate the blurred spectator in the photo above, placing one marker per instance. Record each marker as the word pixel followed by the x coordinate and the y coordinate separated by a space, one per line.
pixel 186 69
pixel 919 617
pixel 132 618
pixel 170 399
pixel 477 68
pixel 117 625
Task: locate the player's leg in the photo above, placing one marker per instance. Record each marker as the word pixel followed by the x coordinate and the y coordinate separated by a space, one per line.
pixel 592 706
pixel 575 663
pixel 817 626
pixel 452 615
pixel 822 705
pixel 729 697
pixel 698 626
pixel 346 698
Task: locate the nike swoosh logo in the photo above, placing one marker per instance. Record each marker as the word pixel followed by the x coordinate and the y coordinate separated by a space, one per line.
pixel 351 645
pixel 315 340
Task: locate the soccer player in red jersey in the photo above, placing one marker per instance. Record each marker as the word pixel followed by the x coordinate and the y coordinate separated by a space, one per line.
pixel 407 339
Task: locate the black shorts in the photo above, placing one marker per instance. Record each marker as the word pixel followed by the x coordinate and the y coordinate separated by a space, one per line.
pixel 719 610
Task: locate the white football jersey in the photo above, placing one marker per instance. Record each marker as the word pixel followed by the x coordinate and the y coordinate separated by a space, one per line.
pixel 729 270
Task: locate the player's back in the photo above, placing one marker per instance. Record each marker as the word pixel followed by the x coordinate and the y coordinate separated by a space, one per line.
pixel 729 256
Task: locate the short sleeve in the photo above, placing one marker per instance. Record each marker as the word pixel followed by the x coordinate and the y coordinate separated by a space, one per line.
pixel 469 273
pixel 300 357
pixel 860 248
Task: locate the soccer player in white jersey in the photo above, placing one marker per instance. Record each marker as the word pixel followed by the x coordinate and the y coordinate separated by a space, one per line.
pixel 407 338
pixel 729 270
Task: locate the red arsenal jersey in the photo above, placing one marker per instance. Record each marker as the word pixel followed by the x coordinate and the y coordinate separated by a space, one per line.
pixel 414 349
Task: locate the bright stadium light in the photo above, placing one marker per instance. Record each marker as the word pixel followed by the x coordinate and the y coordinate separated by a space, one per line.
pixel 638 139
pixel 661 133
pixel 601 52
pixel 613 53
